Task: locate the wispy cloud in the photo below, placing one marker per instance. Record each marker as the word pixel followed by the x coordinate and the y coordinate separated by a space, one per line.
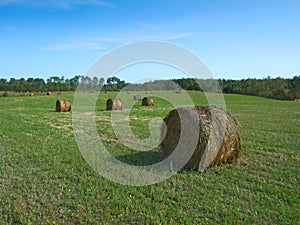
pixel 8 2
pixel 160 36
pixel 64 4
pixel 178 36
pixel 75 45
pixel 106 42
pixel 71 3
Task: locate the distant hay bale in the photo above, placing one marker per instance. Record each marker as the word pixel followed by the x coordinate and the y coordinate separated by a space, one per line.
pixel 128 92
pixel 218 141
pixel 178 91
pixel 31 94
pixel 147 101
pixel 114 104
pixel 63 105
pixel 49 93
pixel 137 97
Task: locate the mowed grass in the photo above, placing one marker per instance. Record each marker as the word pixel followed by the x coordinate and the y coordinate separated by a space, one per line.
pixel 45 180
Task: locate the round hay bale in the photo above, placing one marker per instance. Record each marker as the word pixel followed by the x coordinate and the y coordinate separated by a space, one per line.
pixel 114 104
pixel 49 93
pixel 31 94
pixel 63 105
pixel 218 138
pixel 147 101
pixel 137 97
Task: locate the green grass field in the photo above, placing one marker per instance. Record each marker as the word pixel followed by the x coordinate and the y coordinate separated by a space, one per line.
pixel 45 180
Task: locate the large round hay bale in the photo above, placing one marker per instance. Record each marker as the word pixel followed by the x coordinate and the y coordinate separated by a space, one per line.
pixel 147 101
pixel 63 105
pixel 49 93
pixel 137 98
pixel 31 94
pixel 217 141
pixel 114 104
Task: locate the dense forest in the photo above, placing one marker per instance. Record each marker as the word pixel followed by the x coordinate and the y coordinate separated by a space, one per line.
pixel 277 88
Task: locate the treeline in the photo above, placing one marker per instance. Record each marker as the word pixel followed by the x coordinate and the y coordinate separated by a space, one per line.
pixel 276 88
pixel 56 83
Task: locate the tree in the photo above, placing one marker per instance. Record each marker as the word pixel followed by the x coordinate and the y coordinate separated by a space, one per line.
pixel 55 80
pixel 294 87
pixel 95 83
pixel 13 84
pixel 3 84
pixel 74 82
pixel 101 82
pixel 38 84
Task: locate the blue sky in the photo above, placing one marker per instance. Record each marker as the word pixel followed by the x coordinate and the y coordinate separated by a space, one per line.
pixel 235 38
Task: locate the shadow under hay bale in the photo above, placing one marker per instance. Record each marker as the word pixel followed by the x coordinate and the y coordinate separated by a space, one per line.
pixel 142 158
pixel 216 133
pixel 63 105
pixel 147 101
pixel 114 104
pixel 177 91
pixel 137 97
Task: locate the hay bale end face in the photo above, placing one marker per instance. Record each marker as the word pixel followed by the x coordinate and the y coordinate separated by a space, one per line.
pixel 63 105
pixel 114 104
pixel 137 98
pixel 218 140
pixel 147 101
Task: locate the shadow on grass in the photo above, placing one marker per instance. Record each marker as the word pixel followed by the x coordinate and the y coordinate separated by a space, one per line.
pixel 142 158
pixel 147 159
pixel 57 112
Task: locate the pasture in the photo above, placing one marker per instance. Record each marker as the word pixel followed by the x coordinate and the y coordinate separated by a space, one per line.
pixel 45 180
